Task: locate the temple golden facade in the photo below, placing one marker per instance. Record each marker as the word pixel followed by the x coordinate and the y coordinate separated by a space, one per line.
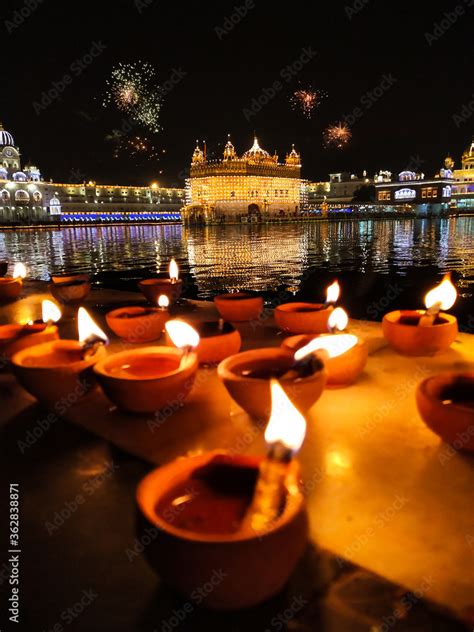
pixel 246 188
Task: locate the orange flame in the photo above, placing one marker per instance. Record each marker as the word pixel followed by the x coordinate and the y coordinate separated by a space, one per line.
pixel 19 271
pixel 182 335
pixel 163 301
pixel 334 345
pixel 173 270
pixel 338 319
pixel 333 292
pixel 87 328
pixel 286 424
pixel 443 295
pixel 50 312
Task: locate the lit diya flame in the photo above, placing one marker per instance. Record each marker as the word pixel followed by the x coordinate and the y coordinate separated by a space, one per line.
pixel 182 336
pixel 284 435
pixel 332 293
pixel 19 271
pixel 90 334
pixel 338 320
pixel 286 425
pixel 333 346
pixel 443 296
pixel 173 271
pixel 163 301
pixel 50 312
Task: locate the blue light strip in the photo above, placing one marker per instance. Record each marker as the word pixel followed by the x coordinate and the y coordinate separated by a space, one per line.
pixel 120 217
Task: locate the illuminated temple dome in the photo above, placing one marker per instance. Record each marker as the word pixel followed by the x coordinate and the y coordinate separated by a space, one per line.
pixel 229 150
pixel 293 158
pixel 6 139
pixel 468 157
pixel 243 188
pixel 256 153
pixel 198 154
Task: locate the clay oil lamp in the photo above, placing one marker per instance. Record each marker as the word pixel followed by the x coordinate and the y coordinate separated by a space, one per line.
pixel 307 318
pixel 70 289
pixel 446 404
pixel 243 514
pixel 344 355
pixel 10 287
pixel 60 370
pixel 68 278
pixel 14 338
pixel 139 324
pixel 171 286
pixel 239 306
pixel 247 377
pixel 418 332
pixel 217 340
pixel 3 268
pixel 147 379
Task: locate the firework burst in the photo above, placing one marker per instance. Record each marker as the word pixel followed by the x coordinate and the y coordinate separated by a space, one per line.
pixel 138 148
pixel 306 100
pixel 337 135
pixel 133 88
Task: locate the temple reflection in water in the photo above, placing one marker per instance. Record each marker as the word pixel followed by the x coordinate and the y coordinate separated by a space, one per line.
pixel 259 257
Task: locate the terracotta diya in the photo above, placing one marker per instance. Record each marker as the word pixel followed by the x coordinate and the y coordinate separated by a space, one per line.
pixel 446 404
pixel 138 324
pixel 247 377
pixel 239 306
pixel 59 372
pixel 14 338
pixel 307 318
pixel 147 379
pixel 70 289
pixel 344 355
pixel 170 286
pixel 10 287
pixel 217 340
pixel 418 332
pixel 244 515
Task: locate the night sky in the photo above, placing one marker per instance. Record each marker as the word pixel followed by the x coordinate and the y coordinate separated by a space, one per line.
pixel 413 54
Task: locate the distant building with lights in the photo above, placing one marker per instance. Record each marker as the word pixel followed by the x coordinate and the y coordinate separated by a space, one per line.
pixel 26 198
pixel 463 180
pixel 243 188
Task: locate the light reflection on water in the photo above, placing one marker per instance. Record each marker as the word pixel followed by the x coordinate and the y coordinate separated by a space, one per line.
pixel 258 257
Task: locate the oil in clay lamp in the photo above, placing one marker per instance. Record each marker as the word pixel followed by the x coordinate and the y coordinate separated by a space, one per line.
pixel 60 370
pixel 420 333
pixel 147 379
pixel 235 512
pixel 14 338
pixel 10 287
pixel 307 318
pixel 137 324
pixel 344 355
pixel 171 286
